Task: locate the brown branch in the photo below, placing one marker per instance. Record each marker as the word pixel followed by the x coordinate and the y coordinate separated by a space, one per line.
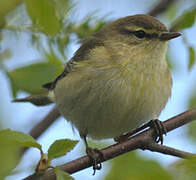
pixel 154 147
pixel 143 140
pixel 39 128
pixel 161 7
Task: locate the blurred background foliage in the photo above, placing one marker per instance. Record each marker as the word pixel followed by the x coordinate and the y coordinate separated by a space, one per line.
pixel 51 27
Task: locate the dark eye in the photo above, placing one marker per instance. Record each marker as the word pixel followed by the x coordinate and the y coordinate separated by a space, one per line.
pixel 140 34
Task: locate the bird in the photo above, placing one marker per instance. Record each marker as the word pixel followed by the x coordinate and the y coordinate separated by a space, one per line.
pixel 117 80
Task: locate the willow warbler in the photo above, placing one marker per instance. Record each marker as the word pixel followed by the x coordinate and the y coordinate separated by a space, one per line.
pixel 118 79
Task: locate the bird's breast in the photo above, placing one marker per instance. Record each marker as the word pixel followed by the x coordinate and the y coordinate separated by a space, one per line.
pixel 107 102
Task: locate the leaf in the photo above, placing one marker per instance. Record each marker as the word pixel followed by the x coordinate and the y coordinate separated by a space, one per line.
pixel 9 5
pixel 30 78
pixel 133 167
pixel 191 57
pixel 62 175
pixel 192 126
pixel 9 157
pixel 186 20
pixel 192 131
pixel 192 102
pixel 184 169
pixel 63 7
pixel 61 147
pixel 10 152
pixel 43 15
pixel 18 138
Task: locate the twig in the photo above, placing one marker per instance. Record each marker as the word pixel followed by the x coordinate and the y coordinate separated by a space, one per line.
pixel 142 140
pixel 154 147
pixel 39 128
pixel 160 7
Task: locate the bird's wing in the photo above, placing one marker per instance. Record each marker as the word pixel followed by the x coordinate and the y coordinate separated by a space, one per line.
pixel 80 55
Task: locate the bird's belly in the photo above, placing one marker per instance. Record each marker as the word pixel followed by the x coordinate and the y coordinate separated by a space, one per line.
pixel 109 106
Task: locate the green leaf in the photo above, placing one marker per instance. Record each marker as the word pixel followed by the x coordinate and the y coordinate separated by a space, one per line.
pixel 192 126
pixel 186 20
pixel 192 102
pixel 9 157
pixel 9 5
pixel 44 16
pixel 61 147
pixel 191 57
pixel 62 43
pixel 62 175
pixel 184 169
pixel 63 7
pixel 18 138
pixel 13 87
pixel 133 167
pixel 10 151
pixel 192 131
pixel 2 22
pixel 30 78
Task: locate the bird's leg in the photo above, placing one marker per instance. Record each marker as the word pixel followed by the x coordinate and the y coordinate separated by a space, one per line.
pixel 94 154
pixel 157 125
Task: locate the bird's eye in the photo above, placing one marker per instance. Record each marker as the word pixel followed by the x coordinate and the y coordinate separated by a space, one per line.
pixel 140 34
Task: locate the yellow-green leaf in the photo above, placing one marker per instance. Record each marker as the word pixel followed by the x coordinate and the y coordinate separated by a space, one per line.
pixel 5 8
pixel 191 57
pixel 62 175
pixel 184 169
pixel 133 167
pixel 61 147
pixel 8 5
pixel 30 78
pixel 192 126
pixel 18 138
pixel 9 157
pixel 44 16
pixel 186 20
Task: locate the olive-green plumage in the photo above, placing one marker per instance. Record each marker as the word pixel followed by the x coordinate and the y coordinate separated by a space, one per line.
pixel 118 78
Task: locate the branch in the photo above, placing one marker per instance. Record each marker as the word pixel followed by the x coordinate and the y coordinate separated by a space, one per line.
pixel 143 140
pixel 154 147
pixel 39 128
pixel 161 7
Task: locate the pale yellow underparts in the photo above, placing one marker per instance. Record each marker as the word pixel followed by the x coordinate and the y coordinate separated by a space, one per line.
pixel 106 96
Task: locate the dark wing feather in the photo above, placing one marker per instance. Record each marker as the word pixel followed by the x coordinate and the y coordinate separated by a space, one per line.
pixel 80 55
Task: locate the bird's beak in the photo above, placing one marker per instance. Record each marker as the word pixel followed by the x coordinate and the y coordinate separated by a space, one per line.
pixel 165 36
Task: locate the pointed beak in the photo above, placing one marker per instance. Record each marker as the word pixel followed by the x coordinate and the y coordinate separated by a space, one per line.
pixel 165 36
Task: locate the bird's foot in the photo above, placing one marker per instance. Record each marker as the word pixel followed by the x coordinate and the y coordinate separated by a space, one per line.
pixel 96 156
pixel 155 124
pixel 159 130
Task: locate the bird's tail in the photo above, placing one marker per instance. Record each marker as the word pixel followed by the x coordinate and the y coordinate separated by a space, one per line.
pixel 38 100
